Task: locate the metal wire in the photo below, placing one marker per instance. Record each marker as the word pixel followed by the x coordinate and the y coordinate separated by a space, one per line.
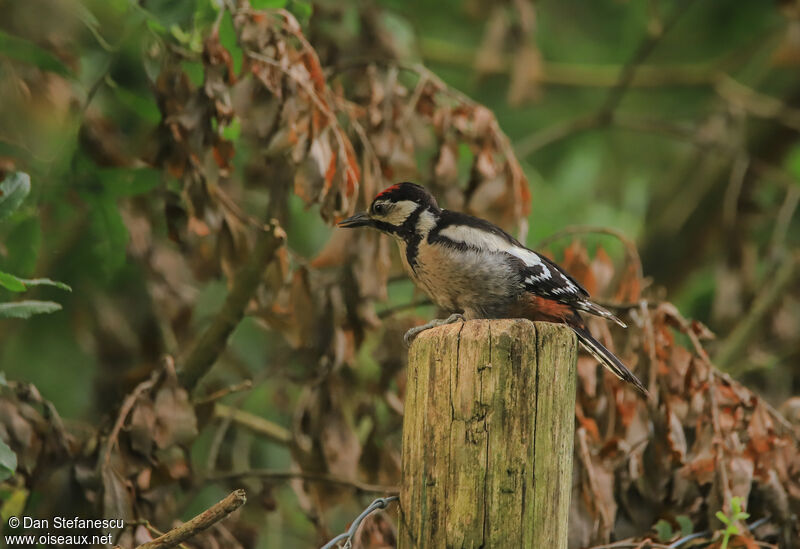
pixel 347 537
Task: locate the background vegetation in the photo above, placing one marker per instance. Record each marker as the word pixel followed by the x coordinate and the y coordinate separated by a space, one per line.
pixel 187 160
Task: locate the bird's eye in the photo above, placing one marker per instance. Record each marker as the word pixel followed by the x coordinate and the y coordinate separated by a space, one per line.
pixel 379 209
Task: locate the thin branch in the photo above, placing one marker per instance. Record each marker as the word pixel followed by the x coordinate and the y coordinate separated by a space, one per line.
pixel 257 424
pixel 784 219
pixel 125 409
pixel 213 340
pixel 413 304
pixel 153 530
pixel 245 385
pixel 734 345
pixel 631 252
pixel 569 74
pixel 557 132
pixel 756 103
pixel 270 474
pixel 646 47
pixel 207 518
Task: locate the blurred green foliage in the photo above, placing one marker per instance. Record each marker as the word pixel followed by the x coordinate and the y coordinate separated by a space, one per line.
pixel 661 191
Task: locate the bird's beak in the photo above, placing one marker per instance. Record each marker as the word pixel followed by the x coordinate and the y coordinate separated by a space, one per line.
pixel 358 220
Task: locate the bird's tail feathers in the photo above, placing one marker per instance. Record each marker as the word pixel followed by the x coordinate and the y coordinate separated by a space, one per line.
pixel 596 309
pixel 608 359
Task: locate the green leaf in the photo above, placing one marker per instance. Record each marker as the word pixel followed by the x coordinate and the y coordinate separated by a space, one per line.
pixel 12 503
pixel 267 4
pixel 22 247
pixel 142 105
pixel 13 190
pixel 121 182
pixel 686 525
pixel 11 282
pixel 45 282
pixel 195 71
pixel 16 284
pixel 8 461
pixel 722 517
pixel 229 40
pixel 792 161
pixel 109 233
pixel 28 52
pixel 232 131
pixel 663 530
pixel 26 309
pixel 300 9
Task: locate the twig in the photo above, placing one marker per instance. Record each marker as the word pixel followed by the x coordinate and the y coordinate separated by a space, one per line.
pixel 627 305
pixel 604 116
pixel 690 537
pixel 631 252
pixel 644 50
pixel 125 409
pixel 153 530
pixel 207 518
pixel 219 435
pixel 413 304
pixel 741 334
pixel 571 74
pixel 784 219
pixel 557 132
pixel 347 537
pixel 270 474
pixel 734 190
pixel 651 351
pixel 257 424
pixel 213 340
pixel 245 385
pixel 756 103
pixel 27 392
pixel 625 544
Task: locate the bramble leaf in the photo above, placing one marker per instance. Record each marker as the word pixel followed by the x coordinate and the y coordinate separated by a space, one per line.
pixel 26 309
pixel 13 190
pixel 8 461
pixel 11 282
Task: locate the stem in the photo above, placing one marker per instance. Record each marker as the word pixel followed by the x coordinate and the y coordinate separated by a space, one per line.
pixel 207 518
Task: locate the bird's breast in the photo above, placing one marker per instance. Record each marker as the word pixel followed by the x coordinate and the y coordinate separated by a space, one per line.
pixel 478 283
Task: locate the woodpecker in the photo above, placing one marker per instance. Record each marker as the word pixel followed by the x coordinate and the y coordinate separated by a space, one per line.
pixel 474 269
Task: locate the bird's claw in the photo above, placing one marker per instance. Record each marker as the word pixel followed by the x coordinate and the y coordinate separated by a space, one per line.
pixel 415 331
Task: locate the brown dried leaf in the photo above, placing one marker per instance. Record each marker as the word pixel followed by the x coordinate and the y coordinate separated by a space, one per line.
pixel 526 73
pixel 174 415
pixel 576 263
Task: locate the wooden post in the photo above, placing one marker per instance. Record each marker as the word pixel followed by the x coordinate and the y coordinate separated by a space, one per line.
pixel 488 436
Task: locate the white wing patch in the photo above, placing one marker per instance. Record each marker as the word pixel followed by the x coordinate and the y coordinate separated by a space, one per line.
pixel 540 278
pixel 490 241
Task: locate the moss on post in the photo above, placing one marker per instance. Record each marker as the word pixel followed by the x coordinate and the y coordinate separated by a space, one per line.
pixel 487 436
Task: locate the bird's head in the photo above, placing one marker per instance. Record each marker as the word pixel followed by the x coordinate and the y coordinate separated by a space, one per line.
pixel 396 210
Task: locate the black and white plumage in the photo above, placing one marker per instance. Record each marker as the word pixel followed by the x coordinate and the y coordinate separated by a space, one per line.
pixel 473 268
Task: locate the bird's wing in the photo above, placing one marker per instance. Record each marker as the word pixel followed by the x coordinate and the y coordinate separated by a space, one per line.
pixel 539 275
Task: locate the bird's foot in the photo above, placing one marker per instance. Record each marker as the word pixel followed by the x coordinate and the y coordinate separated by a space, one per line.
pixel 414 332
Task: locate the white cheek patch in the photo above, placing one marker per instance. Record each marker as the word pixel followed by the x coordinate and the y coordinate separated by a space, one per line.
pixel 400 212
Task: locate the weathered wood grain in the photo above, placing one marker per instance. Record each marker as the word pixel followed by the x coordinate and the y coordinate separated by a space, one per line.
pixel 487 436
